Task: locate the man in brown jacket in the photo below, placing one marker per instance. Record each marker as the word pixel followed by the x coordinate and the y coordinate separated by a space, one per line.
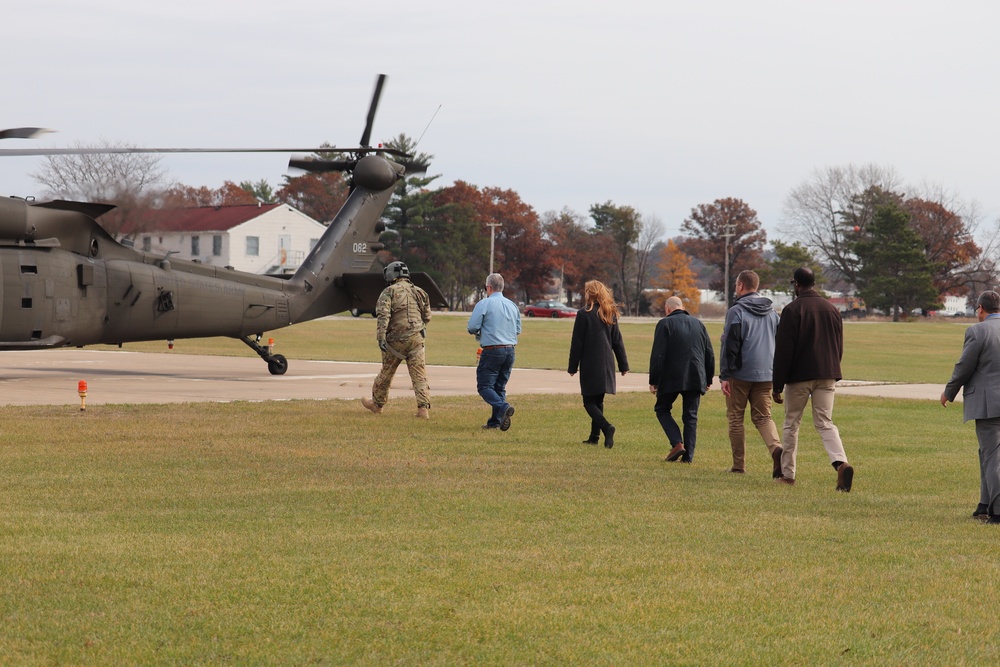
pixel 809 345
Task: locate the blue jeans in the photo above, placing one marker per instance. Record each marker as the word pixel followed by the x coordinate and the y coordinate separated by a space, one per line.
pixel 492 374
pixel 689 416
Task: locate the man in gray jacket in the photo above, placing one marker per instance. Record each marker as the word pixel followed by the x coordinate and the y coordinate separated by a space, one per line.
pixel 745 370
pixel 978 371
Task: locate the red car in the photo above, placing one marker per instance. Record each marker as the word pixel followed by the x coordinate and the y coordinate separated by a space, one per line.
pixel 549 309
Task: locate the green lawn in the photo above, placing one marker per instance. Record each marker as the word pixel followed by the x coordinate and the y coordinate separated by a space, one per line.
pixel 918 351
pixel 312 532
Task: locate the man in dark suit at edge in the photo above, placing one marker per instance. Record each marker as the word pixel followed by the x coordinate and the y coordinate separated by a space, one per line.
pixel 978 371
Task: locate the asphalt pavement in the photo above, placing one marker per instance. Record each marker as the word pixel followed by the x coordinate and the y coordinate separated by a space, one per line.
pixel 52 377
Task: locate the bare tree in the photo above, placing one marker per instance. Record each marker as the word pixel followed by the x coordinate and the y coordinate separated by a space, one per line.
pixel 815 211
pixel 650 234
pixel 130 181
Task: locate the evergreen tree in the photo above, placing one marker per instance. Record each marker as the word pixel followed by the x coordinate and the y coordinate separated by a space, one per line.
pixel 407 235
pixel 621 225
pixel 895 273
pixel 777 273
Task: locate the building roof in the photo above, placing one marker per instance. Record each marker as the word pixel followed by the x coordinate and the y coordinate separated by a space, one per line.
pixel 202 218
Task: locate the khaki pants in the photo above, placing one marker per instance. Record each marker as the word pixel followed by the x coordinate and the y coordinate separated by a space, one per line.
pixel 758 395
pixel 797 394
pixel 413 349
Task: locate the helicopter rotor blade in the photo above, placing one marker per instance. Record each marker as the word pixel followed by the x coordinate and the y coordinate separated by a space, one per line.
pixel 23 132
pixel 367 134
pixel 415 166
pixel 321 166
pixel 28 152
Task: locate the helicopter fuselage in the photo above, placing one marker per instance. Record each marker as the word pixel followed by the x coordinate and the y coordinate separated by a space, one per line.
pixel 64 281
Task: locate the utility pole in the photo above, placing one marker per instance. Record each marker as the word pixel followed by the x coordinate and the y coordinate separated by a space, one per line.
pixel 729 232
pixel 493 232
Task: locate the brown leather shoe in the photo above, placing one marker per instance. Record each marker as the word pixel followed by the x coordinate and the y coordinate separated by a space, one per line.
pixel 845 477
pixel 739 471
pixel 370 405
pixel 776 458
pixel 676 452
pixel 786 480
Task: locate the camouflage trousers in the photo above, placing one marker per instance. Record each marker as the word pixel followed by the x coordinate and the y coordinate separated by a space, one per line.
pixel 413 349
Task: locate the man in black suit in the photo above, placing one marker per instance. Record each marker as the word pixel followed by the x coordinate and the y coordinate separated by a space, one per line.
pixel 682 363
pixel 978 371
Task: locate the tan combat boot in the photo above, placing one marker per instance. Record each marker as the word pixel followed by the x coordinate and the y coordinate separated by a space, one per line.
pixel 423 413
pixel 370 405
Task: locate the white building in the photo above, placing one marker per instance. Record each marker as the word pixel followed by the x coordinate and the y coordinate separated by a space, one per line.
pixel 257 238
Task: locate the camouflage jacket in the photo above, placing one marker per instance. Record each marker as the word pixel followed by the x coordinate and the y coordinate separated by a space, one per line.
pixel 403 310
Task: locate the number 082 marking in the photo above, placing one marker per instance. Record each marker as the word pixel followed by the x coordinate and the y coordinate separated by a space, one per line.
pixel 360 248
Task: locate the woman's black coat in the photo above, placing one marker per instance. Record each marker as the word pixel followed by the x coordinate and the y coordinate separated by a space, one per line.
pixel 593 350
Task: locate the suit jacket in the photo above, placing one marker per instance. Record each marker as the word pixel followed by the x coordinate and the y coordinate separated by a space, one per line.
pixel 594 349
pixel 978 371
pixel 682 358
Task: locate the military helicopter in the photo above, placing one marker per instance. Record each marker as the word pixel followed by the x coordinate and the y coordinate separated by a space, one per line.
pixel 64 281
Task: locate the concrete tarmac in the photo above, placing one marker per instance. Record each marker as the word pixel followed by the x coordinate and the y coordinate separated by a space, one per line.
pixel 51 377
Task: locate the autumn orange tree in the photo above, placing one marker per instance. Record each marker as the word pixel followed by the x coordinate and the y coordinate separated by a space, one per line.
pixel 320 196
pixel 708 226
pixel 521 253
pixel 186 196
pixel 456 242
pixel 676 278
pixel 948 244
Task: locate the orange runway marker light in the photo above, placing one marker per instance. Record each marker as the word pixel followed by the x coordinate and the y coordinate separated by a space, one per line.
pixel 82 390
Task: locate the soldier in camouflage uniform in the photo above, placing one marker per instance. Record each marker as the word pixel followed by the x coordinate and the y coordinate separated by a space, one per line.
pixel 403 311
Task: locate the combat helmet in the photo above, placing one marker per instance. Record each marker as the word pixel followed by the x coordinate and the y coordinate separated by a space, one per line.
pixel 394 271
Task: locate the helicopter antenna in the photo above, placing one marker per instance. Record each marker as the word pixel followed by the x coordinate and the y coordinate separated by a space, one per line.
pixel 433 116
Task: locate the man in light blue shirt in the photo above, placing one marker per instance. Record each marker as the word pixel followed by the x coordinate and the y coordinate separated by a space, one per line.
pixel 496 323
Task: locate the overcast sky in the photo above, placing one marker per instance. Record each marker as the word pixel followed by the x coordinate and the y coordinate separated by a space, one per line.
pixel 660 104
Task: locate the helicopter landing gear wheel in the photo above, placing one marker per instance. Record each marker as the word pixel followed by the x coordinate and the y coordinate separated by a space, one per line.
pixel 277 365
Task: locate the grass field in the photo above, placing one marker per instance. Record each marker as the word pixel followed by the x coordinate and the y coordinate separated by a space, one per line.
pixel 315 533
pixel 922 351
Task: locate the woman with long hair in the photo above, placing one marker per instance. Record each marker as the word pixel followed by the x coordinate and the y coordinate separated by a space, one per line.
pixel 596 345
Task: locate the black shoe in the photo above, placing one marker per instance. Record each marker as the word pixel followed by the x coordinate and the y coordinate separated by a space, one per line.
pixel 994 519
pixel 505 420
pixel 592 440
pixel 489 427
pixel 609 436
pixel 982 512
pixel 776 458
pixel 845 477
